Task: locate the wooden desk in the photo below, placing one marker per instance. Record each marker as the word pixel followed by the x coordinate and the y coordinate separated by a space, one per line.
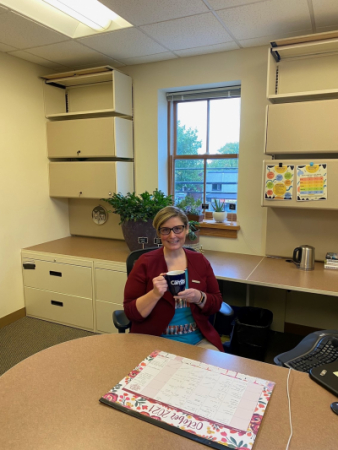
pixel 51 400
pixel 248 269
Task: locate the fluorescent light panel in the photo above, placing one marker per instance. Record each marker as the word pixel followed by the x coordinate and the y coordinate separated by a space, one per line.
pixel 43 12
pixel 90 12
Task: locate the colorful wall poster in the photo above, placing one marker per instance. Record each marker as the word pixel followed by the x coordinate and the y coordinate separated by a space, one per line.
pixel 311 182
pixel 212 405
pixel 278 182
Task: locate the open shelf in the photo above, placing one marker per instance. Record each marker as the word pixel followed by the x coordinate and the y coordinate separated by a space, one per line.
pixel 304 69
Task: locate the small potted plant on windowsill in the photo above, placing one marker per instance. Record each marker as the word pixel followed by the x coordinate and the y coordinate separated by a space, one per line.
pixel 219 210
pixel 192 208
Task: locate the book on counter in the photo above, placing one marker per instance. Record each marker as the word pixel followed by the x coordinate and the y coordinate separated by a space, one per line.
pixel 331 266
pixel 331 256
pixel 331 262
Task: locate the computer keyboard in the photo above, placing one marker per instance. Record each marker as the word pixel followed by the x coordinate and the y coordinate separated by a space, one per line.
pixel 324 352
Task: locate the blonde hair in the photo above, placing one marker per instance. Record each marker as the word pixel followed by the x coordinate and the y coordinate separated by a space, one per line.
pixel 168 213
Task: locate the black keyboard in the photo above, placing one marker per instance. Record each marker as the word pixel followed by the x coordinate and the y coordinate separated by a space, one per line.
pixel 325 352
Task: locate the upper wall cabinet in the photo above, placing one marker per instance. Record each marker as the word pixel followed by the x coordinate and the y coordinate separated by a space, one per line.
pixel 90 179
pixel 303 127
pixel 90 92
pixel 90 138
pixel 303 68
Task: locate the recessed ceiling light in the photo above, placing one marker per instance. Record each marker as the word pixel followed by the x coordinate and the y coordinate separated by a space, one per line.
pixel 89 12
pixel 74 18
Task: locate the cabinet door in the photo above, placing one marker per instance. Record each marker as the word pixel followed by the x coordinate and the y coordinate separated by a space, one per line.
pixel 93 179
pixel 93 137
pixel 302 128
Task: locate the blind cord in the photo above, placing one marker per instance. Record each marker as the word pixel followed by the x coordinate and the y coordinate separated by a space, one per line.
pixel 290 418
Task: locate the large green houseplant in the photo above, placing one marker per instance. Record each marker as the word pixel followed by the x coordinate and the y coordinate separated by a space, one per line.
pixel 137 213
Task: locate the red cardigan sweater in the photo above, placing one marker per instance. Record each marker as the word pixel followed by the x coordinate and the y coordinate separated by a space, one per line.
pixel 201 277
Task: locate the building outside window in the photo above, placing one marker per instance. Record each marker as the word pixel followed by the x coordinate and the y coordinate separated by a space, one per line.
pixel 204 144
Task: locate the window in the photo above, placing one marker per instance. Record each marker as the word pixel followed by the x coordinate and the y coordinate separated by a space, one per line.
pixel 204 148
pixel 216 186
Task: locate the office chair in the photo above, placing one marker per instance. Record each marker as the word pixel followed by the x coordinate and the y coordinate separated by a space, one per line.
pixel 122 323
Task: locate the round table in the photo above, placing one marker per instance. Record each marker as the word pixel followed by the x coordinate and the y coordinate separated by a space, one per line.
pixel 50 401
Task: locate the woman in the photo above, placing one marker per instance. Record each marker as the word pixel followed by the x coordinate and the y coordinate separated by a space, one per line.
pixel 149 305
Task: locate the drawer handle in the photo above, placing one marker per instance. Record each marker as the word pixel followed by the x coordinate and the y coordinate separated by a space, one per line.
pixel 55 303
pixel 55 274
pixel 29 266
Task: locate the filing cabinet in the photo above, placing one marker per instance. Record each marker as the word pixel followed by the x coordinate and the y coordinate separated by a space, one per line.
pixel 58 289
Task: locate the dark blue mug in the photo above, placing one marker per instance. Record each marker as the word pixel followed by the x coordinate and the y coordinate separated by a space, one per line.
pixel 176 281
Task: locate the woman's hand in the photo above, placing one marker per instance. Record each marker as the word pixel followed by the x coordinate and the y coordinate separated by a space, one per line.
pixel 160 285
pixel 190 295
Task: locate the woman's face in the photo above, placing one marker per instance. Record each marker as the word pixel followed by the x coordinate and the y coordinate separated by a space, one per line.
pixel 173 241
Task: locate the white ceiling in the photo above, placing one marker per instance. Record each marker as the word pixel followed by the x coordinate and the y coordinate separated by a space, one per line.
pixel 167 29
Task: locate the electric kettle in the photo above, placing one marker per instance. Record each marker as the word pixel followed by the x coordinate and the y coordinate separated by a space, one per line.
pixel 304 257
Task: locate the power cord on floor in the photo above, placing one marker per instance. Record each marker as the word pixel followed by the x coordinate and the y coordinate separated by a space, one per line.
pixel 290 418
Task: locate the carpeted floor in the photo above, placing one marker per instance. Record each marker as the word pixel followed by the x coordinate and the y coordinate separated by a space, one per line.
pixel 27 336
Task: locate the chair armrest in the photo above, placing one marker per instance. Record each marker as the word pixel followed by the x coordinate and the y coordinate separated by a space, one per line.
pixel 121 321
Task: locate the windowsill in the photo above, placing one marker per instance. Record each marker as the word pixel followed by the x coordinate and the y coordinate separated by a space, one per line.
pixel 216 229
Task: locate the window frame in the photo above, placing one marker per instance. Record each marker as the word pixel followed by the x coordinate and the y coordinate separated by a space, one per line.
pixel 172 144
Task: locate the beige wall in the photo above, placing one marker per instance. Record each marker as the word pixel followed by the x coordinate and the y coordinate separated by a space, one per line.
pixel 28 215
pixel 150 81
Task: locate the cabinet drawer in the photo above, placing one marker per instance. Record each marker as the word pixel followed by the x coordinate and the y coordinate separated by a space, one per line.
pixel 109 286
pixel 93 137
pixel 59 308
pixel 104 316
pixel 90 179
pixel 57 277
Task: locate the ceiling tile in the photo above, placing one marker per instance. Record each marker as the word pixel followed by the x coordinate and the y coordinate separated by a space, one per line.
pixel 150 58
pixel 23 33
pixel 123 44
pixel 222 4
pixel 115 64
pixel 266 18
pixel 265 40
pixel 37 60
pixel 207 49
pixel 141 12
pixel 6 48
pixel 326 13
pixel 70 54
pixel 188 32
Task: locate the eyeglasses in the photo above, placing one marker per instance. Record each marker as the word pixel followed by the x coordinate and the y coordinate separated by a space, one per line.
pixel 177 230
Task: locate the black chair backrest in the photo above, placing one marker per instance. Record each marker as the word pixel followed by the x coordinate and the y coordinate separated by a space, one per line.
pixel 134 256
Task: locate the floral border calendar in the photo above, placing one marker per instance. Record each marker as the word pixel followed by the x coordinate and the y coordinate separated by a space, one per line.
pixel 216 406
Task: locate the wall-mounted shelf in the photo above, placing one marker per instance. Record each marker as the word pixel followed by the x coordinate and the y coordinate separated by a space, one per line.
pixel 81 94
pixel 295 72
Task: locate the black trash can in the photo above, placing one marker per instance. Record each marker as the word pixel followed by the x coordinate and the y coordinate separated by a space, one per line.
pixel 251 332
